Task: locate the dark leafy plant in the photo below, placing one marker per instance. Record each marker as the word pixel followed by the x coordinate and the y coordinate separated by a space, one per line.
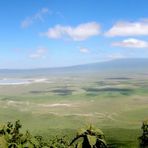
pixel 144 138
pixel 89 138
pixel 11 137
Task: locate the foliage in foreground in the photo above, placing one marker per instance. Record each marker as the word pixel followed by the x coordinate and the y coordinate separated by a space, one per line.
pixel 11 137
pixel 89 138
pixel 144 137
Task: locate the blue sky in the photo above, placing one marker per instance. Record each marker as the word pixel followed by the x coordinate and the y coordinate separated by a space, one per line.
pixel 55 33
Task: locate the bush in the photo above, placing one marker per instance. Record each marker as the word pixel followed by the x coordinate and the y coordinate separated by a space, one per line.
pixel 11 137
pixel 89 138
pixel 144 137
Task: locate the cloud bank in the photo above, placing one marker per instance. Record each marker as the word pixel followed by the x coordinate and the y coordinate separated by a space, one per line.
pixel 78 33
pixel 131 43
pixel 128 29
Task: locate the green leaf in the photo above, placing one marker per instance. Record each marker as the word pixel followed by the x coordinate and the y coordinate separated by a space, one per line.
pixel 2 126
pixel 8 137
pixel 28 145
pixel 103 141
pixel 92 140
pixel 20 146
pixel 3 142
pixel 34 141
pixel 80 145
pixel 81 132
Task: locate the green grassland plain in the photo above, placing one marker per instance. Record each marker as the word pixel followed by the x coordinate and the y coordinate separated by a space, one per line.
pixel 116 104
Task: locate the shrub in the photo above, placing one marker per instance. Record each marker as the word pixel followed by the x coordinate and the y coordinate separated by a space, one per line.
pixel 10 137
pixel 89 138
pixel 144 137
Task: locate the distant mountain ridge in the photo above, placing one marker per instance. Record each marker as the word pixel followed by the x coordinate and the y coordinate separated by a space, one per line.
pixel 121 64
pixel 113 65
pixel 126 62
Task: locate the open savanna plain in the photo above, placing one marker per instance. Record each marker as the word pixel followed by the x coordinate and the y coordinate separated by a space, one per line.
pixel 117 103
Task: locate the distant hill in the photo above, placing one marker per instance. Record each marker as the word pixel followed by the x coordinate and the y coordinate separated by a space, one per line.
pixel 118 65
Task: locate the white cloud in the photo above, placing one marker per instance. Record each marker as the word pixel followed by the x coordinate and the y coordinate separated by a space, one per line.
pixel 40 53
pixel 128 29
pixel 38 16
pixel 84 50
pixel 78 33
pixel 131 43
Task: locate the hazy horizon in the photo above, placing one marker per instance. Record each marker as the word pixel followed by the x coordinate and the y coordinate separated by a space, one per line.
pixel 127 62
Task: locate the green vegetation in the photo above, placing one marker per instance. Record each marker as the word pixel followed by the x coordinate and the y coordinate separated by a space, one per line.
pixel 11 136
pixel 144 137
pixel 89 138
pixel 64 103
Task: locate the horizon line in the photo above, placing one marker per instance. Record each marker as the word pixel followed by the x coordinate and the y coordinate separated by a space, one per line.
pixel 69 66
